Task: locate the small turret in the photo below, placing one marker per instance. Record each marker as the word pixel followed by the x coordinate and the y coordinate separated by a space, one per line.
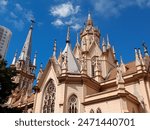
pixel 77 41
pixel 54 49
pixel 104 46
pixel 68 36
pixel 122 65
pixel 113 48
pixel 145 49
pixel 34 60
pixel 108 43
pixel 14 59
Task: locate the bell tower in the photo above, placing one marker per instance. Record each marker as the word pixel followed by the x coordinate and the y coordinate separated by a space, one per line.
pixel 25 73
pixel 89 35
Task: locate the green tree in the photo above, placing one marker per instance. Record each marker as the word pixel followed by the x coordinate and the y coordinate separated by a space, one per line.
pixel 6 85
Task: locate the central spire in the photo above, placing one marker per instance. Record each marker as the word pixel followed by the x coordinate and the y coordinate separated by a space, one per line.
pixel 26 50
pixel 89 20
pixel 68 35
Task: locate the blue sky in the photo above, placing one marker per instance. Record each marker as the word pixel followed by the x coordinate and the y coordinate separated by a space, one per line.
pixel 126 21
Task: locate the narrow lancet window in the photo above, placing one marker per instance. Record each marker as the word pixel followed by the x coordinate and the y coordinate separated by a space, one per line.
pixel 49 98
pixel 73 104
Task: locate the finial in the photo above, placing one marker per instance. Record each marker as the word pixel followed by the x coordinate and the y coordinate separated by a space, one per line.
pixel 108 43
pixel 68 35
pixel 32 23
pixel 77 42
pixel 121 61
pixel 122 65
pixel 137 60
pixel 140 54
pixel 104 45
pixel 89 16
pixel 145 49
pixel 34 60
pixel 54 48
pixel 89 20
pixel 15 58
pixel 113 49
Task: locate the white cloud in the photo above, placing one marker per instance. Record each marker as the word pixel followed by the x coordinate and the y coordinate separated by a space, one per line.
pixel 19 16
pixel 12 15
pixel 72 20
pixel 58 22
pixel 76 27
pixel 3 5
pixel 18 24
pixel 65 14
pixel 113 8
pixel 64 10
pixel 28 14
pixel 18 7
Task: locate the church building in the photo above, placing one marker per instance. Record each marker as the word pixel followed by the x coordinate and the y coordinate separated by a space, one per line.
pixel 87 79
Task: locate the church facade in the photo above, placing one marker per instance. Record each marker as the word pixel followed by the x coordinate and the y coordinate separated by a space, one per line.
pixel 89 79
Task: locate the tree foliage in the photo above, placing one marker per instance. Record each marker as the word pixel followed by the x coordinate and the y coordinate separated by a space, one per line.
pixel 6 85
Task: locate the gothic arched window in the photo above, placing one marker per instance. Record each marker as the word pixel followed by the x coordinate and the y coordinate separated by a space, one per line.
pixel 49 98
pixel 98 110
pixel 91 111
pixel 93 67
pixel 73 104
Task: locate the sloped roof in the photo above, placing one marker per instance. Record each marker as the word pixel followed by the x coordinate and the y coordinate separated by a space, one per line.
pixel 130 68
pixel 73 66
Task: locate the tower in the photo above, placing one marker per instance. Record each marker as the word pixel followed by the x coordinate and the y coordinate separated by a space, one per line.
pixel 25 74
pixel 5 35
pixel 89 34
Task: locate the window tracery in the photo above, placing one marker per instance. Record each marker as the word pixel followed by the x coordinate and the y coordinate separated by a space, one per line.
pixel 73 104
pixel 49 99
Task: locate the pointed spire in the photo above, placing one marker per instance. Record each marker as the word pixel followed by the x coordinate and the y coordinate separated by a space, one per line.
pixel 68 35
pixel 104 45
pixel 89 20
pixel 108 43
pixel 26 50
pixel 122 65
pixel 140 56
pixel 14 59
pixel 137 60
pixel 89 16
pixel 34 60
pixel 54 48
pixel 113 48
pixel 121 61
pixel 77 41
pixel 145 49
